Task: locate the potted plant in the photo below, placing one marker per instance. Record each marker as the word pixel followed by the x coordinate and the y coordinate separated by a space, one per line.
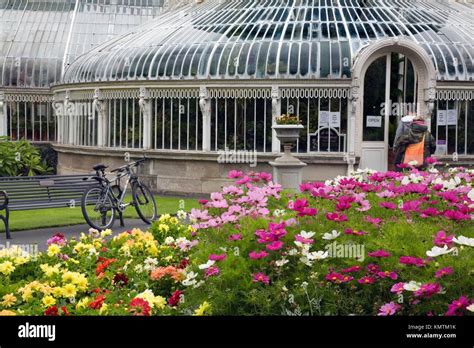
pixel 288 128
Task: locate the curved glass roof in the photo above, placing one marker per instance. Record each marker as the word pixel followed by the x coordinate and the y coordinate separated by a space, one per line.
pixel 279 39
pixel 38 36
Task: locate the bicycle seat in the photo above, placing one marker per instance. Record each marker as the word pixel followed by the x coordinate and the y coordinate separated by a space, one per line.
pixel 99 167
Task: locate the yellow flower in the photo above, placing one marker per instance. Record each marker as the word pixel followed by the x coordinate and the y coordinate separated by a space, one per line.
pixel 27 294
pixel 97 243
pixel 191 229
pixel 69 291
pixel 71 260
pixel 203 309
pixel 8 300
pixel 152 249
pixel 5 313
pixel 57 291
pixel 164 218
pixel 174 221
pixel 163 228
pixel 7 268
pixel 157 302
pixel 106 233
pixel 103 309
pixel 21 260
pixel 54 250
pixel 83 303
pixel 46 289
pixel 49 301
pixel 81 282
pixel 49 271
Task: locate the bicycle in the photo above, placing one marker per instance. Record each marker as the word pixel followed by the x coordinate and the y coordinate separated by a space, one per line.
pixel 101 203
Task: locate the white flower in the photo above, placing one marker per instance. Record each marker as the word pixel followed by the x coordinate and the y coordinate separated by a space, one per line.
pixel 317 255
pixel 412 286
pixel 139 268
pixel 470 195
pixel 207 264
pixel 464 241
pixel 405 180
pixel 150 263
pixel 190 279
pixel 470 308
pixel 330 236
pixel 292 252
pixel 281 262
pixel 181 214
pixel 413 163
pixel 306 235
pixel 279 212
pixel 169 240
pixel 437 251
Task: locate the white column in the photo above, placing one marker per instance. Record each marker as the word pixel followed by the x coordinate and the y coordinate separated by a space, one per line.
pixel 3 115
pixel 352 126
pixel 276 112
pixel 205 105
pixel 100 107
pixel 146 110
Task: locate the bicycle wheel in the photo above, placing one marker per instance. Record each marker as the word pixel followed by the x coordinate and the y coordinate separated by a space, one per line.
pixel 97 208
pixel 144 202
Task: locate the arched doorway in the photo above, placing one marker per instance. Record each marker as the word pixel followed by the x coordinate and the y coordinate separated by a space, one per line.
pixel 391 78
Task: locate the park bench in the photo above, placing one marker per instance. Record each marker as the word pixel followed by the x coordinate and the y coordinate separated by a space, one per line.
pixel 40 192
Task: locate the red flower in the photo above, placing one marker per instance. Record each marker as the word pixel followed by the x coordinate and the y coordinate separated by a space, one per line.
pixel 140 307
pixel 97 303
pixel 51 311
pixel 65 311
pixel 183 264
pixel 120 279
pixel 175 298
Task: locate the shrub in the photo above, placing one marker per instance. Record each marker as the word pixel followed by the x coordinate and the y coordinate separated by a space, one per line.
pixel 20 158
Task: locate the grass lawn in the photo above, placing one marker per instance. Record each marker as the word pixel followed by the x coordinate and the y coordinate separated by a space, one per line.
pixel 43 218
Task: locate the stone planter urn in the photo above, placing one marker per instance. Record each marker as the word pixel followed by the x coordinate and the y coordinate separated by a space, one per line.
pixel 287 169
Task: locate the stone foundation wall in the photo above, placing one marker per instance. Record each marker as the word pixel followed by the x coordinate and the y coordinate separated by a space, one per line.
pixel 187 173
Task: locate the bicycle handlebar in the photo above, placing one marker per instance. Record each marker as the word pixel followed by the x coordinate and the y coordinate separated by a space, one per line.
pixel 130 165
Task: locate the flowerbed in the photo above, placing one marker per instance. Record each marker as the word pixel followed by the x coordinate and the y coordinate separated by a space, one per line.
pixel 370 244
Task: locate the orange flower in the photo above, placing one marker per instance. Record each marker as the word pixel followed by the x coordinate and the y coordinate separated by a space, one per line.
pixel 173 272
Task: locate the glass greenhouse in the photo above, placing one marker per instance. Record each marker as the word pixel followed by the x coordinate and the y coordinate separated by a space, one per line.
pixel 184 81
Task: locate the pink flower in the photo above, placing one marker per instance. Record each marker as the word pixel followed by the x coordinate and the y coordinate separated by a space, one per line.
pixel 443 272
pixel 398 288
pixel 441 239
pixel 388 205
pixel 355 233
pixel 366 280
pixel 431 160
pixel 427 290
pixel 374 221
pixel 373 268
pixel 334 277
pixel 211 271
pixel 58 239
pixel 275 245
pixel 364 206
pixel 234 174
pixel 388 274
pixel 260 277
pixel 265 176
pixel 414 261
pixel 457 306
pixel 256 255
pixel 265 237
pixel 235 237
pixel 215 257
pixel 302 207
pixel 379 253
pixel 351 269
pixel 243 181
pixel 303 240
pixel 203 201
pixel 336 217
pixel 456 215
pixel 389 309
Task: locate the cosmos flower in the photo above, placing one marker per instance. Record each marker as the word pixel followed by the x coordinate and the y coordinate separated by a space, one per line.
pixel 389 309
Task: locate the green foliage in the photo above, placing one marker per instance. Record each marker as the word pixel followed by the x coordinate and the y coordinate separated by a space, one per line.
pixel 20 158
